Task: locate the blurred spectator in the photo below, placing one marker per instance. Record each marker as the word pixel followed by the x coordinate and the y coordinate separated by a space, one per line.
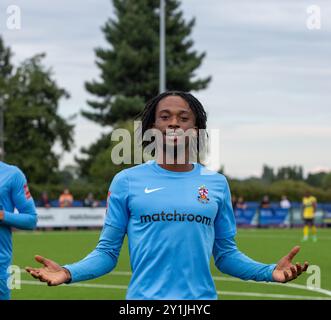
pixel 285 203
pixel 265 203
pixel 44 201
pixel 89 201
pixel 234 202
pixel 66 199
pixel 241 204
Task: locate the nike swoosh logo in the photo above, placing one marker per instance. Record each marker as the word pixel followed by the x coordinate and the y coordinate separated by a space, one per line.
pixel 152 190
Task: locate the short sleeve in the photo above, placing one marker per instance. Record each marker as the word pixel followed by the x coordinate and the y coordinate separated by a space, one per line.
pixel 117 205
pixel 225 223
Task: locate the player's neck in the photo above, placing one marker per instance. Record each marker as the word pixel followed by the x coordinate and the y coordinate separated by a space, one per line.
pixel 178 165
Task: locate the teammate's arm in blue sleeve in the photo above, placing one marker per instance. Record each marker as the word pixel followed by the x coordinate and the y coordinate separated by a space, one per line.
pixel 22 199
pixel 104 258
pixel 101 260
pixel 228 259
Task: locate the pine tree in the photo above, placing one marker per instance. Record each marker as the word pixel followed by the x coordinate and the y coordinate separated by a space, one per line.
pixel 130 65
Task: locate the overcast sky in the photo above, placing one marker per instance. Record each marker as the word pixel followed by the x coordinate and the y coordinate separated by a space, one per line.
pixel 270 94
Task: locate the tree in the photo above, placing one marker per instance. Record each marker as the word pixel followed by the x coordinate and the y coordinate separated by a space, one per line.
pixel 67 175
pixel 327 181
pixel 5 74
pixel 102 169
pixel 129 67
pixel 316 179
pixel 290 173
pixel 5 64
pixel 268 175
pixel 32 122
pixel 90 153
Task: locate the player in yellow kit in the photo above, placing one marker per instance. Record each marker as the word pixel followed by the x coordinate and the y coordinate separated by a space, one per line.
pixel 309 204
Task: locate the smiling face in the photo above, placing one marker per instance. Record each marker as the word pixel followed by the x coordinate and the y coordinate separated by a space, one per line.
pixel 173 124
pixel 173 117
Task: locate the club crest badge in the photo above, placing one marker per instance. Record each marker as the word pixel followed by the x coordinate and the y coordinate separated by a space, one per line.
pixel 203 194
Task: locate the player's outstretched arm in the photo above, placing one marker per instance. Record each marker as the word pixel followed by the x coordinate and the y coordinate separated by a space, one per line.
pixel 285 270
pixel 51 272
pixel 231 261
pixel 100 261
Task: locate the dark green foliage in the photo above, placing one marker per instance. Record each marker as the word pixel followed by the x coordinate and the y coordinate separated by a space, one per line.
pixel 32 123
pixel 129 67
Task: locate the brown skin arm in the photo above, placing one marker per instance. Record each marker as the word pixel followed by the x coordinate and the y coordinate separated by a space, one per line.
pixel 51 272
pixel 285 270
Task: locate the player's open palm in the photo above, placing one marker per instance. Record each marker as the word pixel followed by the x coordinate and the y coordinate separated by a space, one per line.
pixel 51 272
pixel 285 270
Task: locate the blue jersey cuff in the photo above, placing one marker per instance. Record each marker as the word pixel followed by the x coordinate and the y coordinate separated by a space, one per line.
pixel 269 276
pixel 67 267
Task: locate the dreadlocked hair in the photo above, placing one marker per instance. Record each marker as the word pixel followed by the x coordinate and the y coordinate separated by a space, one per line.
pixel 147 116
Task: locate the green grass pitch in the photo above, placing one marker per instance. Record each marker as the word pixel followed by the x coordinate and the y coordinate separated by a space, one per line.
pixel 265 245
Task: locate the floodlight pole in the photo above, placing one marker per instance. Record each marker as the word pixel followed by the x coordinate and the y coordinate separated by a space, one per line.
pixel 162 46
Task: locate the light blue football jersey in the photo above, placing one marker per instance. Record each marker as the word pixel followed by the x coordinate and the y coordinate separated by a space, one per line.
pixel 172 219
pixel 175 222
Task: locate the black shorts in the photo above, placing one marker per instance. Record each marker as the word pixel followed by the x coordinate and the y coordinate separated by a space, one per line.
pixel 308 221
